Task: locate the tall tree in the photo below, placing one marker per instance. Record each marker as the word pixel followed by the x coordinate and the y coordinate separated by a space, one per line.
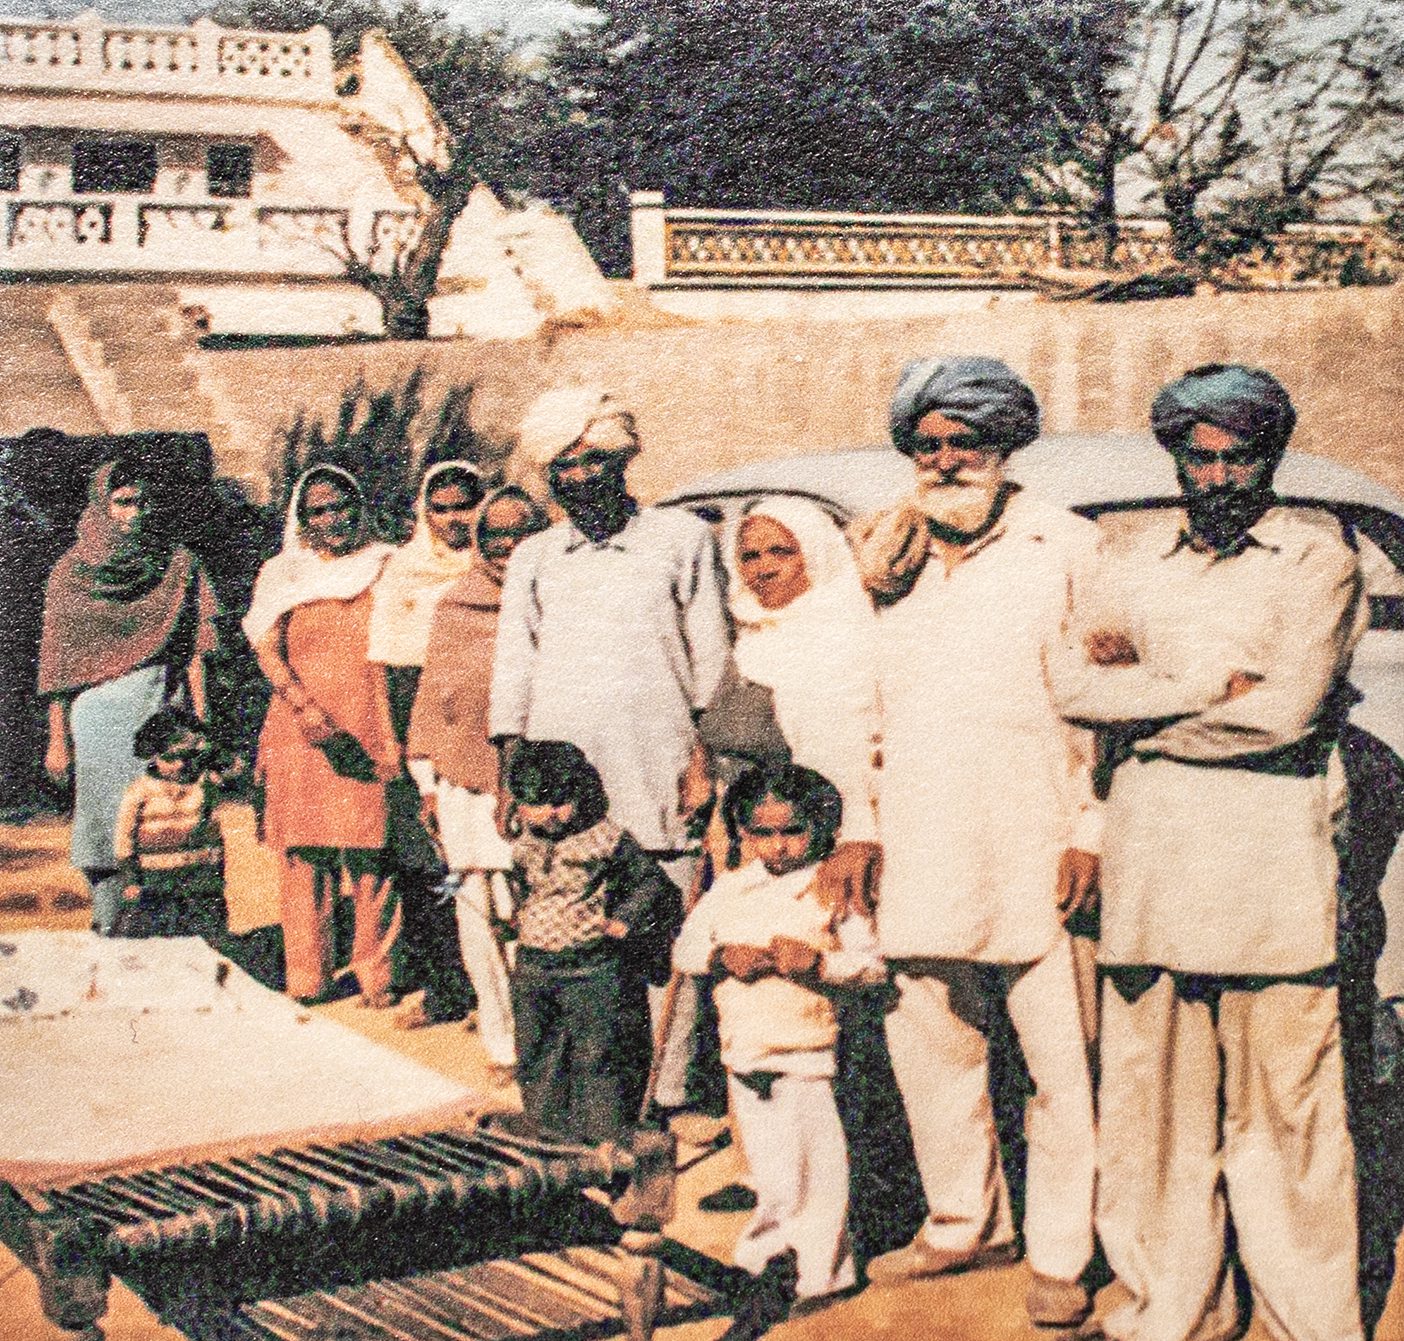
pixel 820 104
pixel 478 85
pixel 1229 109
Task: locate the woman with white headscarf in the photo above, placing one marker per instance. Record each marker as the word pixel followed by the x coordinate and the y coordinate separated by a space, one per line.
pixel 438 554
pixel 327 748
pixel 804 630
pixel 804 637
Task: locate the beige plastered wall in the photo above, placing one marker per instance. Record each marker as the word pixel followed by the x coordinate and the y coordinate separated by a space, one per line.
pixel 711 396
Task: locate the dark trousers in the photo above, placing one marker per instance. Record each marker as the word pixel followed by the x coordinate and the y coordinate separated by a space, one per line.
pixel 187 902
pixel 428 954
pixel 583 1041
pixel 429 948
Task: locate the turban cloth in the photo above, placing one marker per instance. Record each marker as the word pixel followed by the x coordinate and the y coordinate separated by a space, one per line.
pixel 1247 402
pixel 984 393
pixel 560 417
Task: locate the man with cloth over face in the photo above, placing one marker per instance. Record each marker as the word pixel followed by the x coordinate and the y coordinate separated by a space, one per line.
pixel 613 636
pixel 988 826
pixel 1218 654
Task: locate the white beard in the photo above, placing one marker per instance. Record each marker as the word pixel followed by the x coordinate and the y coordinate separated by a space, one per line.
pixel 963 504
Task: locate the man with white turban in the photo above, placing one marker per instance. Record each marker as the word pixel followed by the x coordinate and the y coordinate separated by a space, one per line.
pixel 613 636
pixel 988 826
pixel 1218 653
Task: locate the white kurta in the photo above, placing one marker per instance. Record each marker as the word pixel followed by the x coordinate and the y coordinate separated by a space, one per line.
pixel 614 647
pixel 983 785
pixel 1213 861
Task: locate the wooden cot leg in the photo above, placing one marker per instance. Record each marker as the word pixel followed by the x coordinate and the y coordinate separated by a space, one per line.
pixel 643 1208
pixel 73 1282
pixel 641 1282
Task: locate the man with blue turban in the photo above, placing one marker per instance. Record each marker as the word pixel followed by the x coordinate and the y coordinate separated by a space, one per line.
pixel 988 826
pixel 1218 657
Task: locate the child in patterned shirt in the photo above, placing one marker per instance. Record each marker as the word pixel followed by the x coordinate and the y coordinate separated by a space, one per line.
pixel 595 917
pixel 168 843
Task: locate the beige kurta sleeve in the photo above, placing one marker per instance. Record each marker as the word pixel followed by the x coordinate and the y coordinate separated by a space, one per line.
pixel 1063 669
pixel 1102 695
pixel 1316 615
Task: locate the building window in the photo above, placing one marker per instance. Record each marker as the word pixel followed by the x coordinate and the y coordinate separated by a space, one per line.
pixel 229 169
pixel 114 165
pixel 9 163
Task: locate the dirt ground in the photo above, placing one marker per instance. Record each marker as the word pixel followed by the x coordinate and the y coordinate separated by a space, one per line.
pixel 39 889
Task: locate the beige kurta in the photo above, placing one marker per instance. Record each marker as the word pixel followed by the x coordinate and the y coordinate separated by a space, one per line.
pixel 983 785
pixel 1212 862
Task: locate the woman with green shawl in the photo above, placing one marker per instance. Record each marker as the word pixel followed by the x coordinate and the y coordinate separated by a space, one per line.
pixel 128 619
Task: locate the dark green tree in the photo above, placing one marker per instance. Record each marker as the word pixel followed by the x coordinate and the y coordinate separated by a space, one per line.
pixel 813 104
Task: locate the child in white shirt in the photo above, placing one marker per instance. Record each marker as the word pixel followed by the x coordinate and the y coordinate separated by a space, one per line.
pixel 774 951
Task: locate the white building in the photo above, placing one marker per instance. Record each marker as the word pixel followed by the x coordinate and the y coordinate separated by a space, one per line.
pixel 240 167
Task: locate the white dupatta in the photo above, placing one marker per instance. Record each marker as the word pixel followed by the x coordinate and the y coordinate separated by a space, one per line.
pixel 817 654
pixel 298 574
pixel 415 580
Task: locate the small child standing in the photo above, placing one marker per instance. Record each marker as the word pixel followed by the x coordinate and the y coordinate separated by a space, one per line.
pixel 773 949
pixel 167 841
pixel 595 916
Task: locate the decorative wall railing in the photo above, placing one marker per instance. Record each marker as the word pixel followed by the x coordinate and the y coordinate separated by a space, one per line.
pixel 203 60
pixel 740 247
pixel 121 234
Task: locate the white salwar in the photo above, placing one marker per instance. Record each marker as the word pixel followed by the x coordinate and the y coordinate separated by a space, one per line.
pixel 983 788
pixel 479 857
pixel 816 655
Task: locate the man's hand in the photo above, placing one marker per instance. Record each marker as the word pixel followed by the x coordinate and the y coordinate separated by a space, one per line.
pixel 847 880
pixel 792 958
pixel 1239 683
pixel 696 784
pixel 131 893
pixel 57 759
pixel 1078 873
pixel 615 929
pixel 746 962
pixel 1106 647
pixel 502 811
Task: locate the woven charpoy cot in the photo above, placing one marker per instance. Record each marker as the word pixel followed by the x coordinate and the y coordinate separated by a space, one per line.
pixel 171 1122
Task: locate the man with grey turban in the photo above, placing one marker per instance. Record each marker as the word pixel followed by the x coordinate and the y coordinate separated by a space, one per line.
pixel 988 827
pixel 613 636
pixel 1217 658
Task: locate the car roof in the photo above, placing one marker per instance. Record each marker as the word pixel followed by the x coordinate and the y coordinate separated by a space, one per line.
pixel 1079 470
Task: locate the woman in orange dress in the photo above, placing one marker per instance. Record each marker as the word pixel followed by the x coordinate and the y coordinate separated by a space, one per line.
pixel 328 749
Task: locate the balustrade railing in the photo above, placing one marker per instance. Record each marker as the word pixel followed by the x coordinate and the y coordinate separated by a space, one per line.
pixel 58 224
pixel 204 60
pixel 763 247
pixel 161 224
pixel 122 233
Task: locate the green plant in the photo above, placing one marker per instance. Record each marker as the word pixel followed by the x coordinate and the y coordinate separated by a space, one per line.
pixel 385 439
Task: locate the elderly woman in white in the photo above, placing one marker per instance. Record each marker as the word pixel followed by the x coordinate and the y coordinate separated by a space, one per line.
pixel 804 630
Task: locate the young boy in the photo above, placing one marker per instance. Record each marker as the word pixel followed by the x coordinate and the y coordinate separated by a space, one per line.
pixel 167 842
pixel 772 949
pixel 594 917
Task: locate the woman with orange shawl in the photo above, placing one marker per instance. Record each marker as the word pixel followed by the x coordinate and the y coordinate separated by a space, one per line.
pixel 327 748
pixel 128 618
